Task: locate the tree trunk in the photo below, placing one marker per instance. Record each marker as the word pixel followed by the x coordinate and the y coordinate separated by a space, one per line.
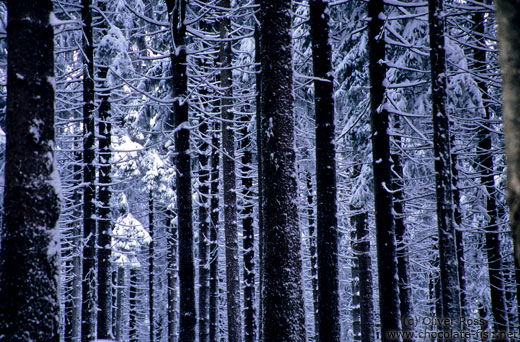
pixel 89 300
pixel 361 252
pixel 312 252
pixel 104 319
pixel 229 178
pixel 188 316
pixel 449 281
pixel 151 264
pixel 487 170
pixel 248 232
pixel 29 301
pixel 405 292
pixel 206 64
pixel 508 18
pixel 259 139
pixel 73 303
pixel 459 239
pixel 133 335
pixel 381 163
pixel 214 216
pixel 282 302
pixel 203 233
pixel 119 303
pixel 355 303
pixel 172 275
pixel 327 230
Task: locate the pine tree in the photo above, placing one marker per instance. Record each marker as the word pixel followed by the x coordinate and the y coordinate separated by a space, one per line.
pixel 327 233
pixel 104 281
pixel 187 320
pixel 492 236
pixel 282 302
pixel 151 265
pixel 89 300
pixel 229 178
pixel 29 303
pixel 381 164
pixel 214 227
pixel 508 18
pixel 449 281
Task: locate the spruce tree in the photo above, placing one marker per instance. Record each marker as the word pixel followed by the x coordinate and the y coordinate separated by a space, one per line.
pixel 30 245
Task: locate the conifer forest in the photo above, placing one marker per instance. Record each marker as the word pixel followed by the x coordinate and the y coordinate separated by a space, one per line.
pixel 260 170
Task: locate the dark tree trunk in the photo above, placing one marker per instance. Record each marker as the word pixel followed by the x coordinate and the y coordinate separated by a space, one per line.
pixel 73 303
pixel 29 302
pixel 282 302
pixel 312 252
pixel 508 18
pixel 248 232
pixel 459 239
pixel 214 217
pixel 173 251
pixel 133 335
pixel 206 64
pixel 151 264
pixel 188 315
pixel 119 303
pixel 363 263
pixel 448 265
pixel 487 170
pixel 229 179
pixel 204 237
pixel 89 300
pixel 355 302
pixel 381 163
pixel 259 139
pixel 405 292
pixel 104 319
pixel 327 230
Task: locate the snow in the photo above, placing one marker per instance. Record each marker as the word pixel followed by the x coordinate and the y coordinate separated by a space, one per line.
pixel 2 136
pixel 54 179
pixel 128 237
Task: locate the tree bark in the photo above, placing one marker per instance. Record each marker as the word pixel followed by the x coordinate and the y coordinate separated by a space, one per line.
pixel 259 139
pixel 449 281
pixel 214 217
pixel 119 303
pixel 229 179
pixel 362 260
pixel 73 303
pixel 89 300
pixel 29 302
pixel 204 237
pixel 151 265
pixel 508 18
pixel 133 335
pixel 312 252
pixel 171 227
pixel 188 318
pixel 282 302
pixel 381 163
pixel 327 230
pixel 248 231
pixel 459 238
pixel 405 293
pixel 487 170
pixel 104 319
